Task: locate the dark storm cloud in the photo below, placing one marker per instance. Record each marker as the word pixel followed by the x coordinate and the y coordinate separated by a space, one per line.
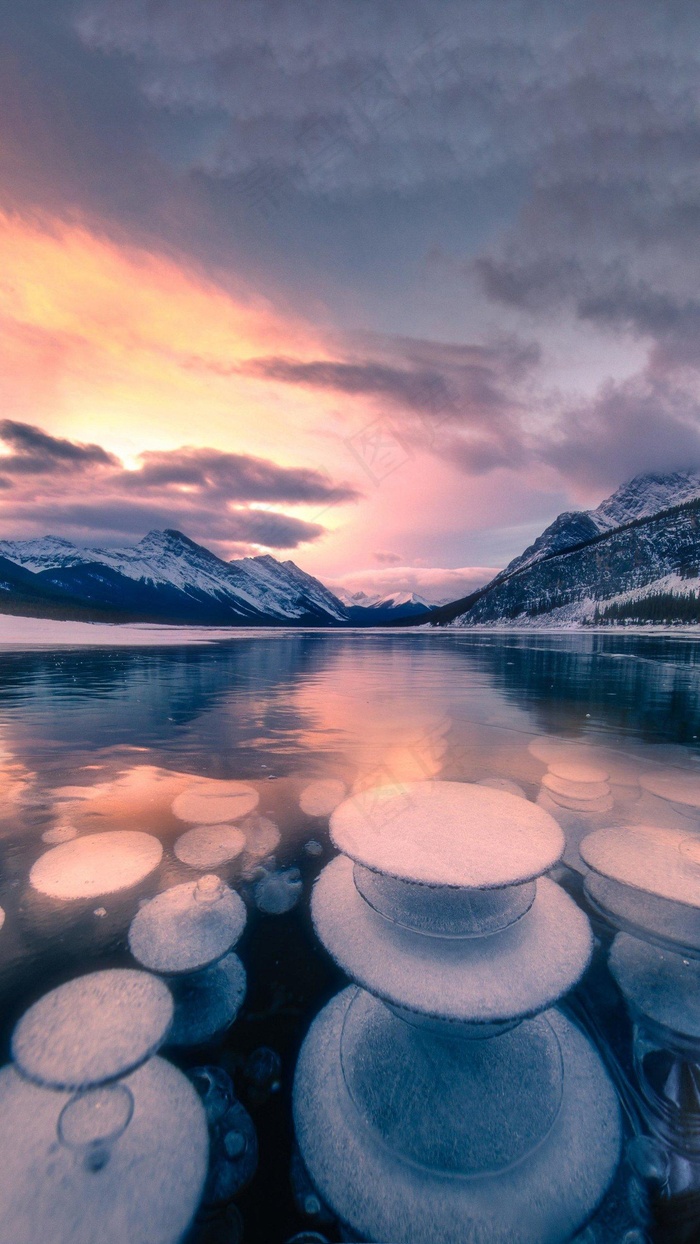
pixel 206 492
pixel 38 453
pixel 237 477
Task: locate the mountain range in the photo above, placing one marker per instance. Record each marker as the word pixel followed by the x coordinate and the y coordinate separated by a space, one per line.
pixel 634 556
pixel 166 577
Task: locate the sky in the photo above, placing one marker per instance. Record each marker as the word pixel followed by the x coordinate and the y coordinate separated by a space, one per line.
pixel 381 287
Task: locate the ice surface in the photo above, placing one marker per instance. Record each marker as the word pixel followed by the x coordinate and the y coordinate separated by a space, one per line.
pixel 187 927
pixel 96 864
pixel 278 892
pixel 661 985
pixel 93 1029
pixel 320 798
pixel 502 783
pixel 447 833
pixel 516 972
pixel 212 802
pixel 209 846
pixel 146 1193
pixel 659 861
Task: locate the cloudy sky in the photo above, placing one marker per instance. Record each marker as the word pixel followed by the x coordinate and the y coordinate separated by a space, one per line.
pixel 379 286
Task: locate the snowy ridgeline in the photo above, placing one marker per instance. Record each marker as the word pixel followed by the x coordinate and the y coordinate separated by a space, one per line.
pixel 627 562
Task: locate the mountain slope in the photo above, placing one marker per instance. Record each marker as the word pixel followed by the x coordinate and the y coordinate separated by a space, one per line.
pixel 375 609
pixel 629 549
pixel 168 577
pixel 640 498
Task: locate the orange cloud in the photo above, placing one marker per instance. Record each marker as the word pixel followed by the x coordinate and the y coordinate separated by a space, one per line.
pixel 94 334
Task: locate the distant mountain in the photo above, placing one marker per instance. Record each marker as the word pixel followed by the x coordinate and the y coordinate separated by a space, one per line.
pixel 166 577
pixel 643 541
pixel 370 609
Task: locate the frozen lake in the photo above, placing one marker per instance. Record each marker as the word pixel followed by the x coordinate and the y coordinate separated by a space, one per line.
pixel 132 733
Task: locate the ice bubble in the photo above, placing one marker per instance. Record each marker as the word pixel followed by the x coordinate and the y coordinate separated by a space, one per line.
pixel 646 857
pixel 93 1029
pixel 211 802
pixel 305 1195
pixel 261 1073
pixel 447 833
pixel 210 846
pixel 575 790
pixel 207 1002
pixel 2 916
pixel 143 1186
pixel 574 771
pixel 313 848
pixel 59 833
pixel 233 1143
pixel 262 836
pixel 320 798
pixel 96 864
pixel 308 1237
pixel 100 911
pixel 673 785
pixel 278 892
pixel 187 927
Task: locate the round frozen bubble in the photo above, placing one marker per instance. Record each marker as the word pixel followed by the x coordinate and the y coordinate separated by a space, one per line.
pixel 187 927
pixel 2 916
pixel 262 836
pixel 146 1191
pixel 207 1002
pixel 209 846
pixel 664 862
pixel 93 1029
pixel 447 834
pixel 659 984
pixel 575 790
pixel 320 798
pixel 96 864
pixel 279 892
pixel 673 784
pixel 212 802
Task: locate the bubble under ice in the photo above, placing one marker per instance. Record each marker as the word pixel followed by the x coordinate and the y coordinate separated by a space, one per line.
pixel 212 802
pixel 207 1002
pixel 278 892
pixel 401 1176
pixel 187 927
pixel 210 846
pixel 93 1028
pixel 146 1192
pixel 320 798
pixel 96 864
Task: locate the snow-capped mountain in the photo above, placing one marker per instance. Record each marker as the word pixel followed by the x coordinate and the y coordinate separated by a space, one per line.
pixel 642 541
pixel 641 497
pixel 370 607
pixel 167 576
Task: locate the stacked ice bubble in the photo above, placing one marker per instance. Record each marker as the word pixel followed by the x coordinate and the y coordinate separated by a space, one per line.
pixel 187 934
pixel 645 881
pixel 99 1139
pixel 445 1100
